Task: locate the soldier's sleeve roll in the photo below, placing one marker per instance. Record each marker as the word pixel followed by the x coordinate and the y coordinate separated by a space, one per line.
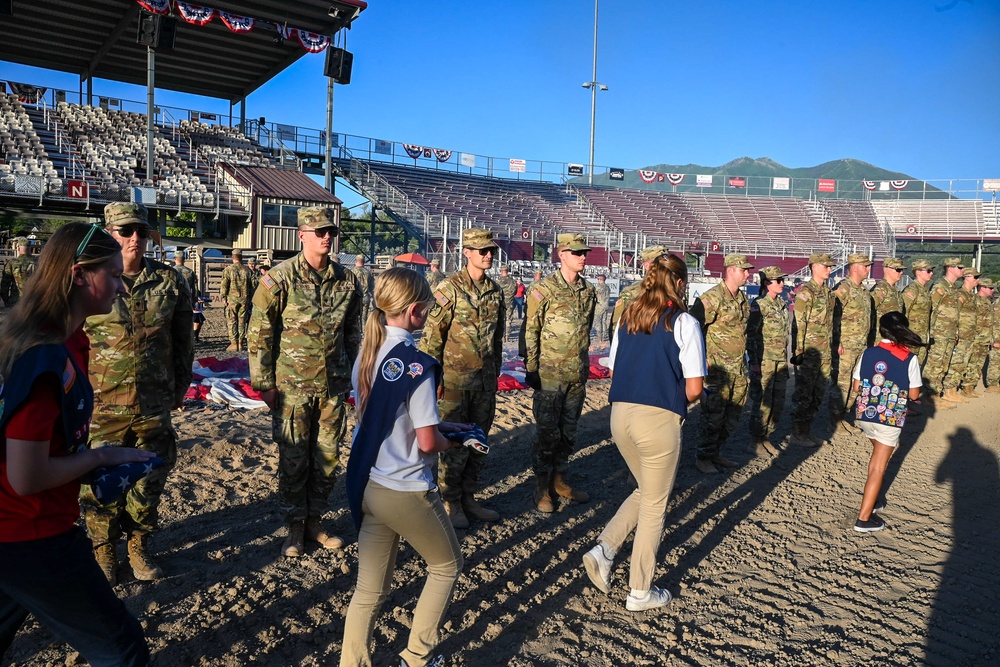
pixel 533 320
pixel 803 309
pixel 263 335
pixel 182 339
pixel 438 323
pixel 353 326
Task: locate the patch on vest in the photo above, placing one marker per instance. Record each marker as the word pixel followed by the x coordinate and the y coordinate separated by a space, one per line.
pixel 415 369
pixel 881 367
pixel 69 376
pixel 267 281
pixel 538 295
pixel 441 299
pixel 392 369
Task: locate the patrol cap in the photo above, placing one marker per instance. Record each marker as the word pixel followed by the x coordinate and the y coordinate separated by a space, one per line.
pixel 859 258
pixel 986 282
pixel 893 263
pixel 478 238
pixel 435 262
pixel 772 272
pixel 237 252
pixel 922 265
pixel 571 242
pixel 821 258
pixel 22 242
pixel 359 258
pixel 251 260
pixel 652 252
pixel 954 261
pixel 121 214
pixel 317 217
pixel 970 272
pixel 738 261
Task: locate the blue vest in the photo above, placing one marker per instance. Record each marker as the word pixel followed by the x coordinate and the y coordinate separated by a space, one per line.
pixel 402 371
pixel 884 388
pixel 648 370
pixel 77 395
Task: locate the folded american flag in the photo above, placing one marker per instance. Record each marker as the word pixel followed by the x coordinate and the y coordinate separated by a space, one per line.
pixel 111 482
pixel 473 437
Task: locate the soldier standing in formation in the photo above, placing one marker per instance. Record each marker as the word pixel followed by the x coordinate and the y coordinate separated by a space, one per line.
pixel 304 336
pixel 968 319
pixel 236 294
pixel 186 273
pixel 434 276
pixel 886 297
pixel 366 278
pixel 853 330
pixel 601 312
pixel 140 365
pixel 508 287
pixel 993 370
pixel 557 364
pixel 917 304
pixel 813 350
pixel 767 347
pixel 982 341
pixel 464 333
pixel 723 312
pixel 534 282
pixel 16 273
pixel 254 275
pixel 628 295
pixel 945 306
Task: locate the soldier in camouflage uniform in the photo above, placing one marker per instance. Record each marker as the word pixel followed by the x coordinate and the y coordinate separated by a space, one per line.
pixel 534 283
pixel 366 278
pixel 767 347
pixel 185 272
pixel 968 320
pixel 993 370
pixel 140 365
pixel 853 333
pixel 723 312
pixel 628 295
pixel 556 346
pixel 254 275
pixel 236 294
pixel 464 332
pixel 434 276
pixel 917 304
pixel 812 353
pixel 886 297
pixel 508 287
pixel 945 301
pixel 601 312
pixel 982 341
pixel 16 273
pixel 304 336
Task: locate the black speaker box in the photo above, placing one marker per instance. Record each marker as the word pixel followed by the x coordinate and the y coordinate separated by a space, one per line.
pixel 156 31
pixel 168 30
pixel 7 7
pixel 338 65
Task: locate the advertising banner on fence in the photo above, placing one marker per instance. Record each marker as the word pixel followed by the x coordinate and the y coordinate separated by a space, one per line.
pixel 781 183
pixel 383 146
pixel 616 174
pixel 737 182
pixel 991 184
pixel 826 185
pixel 703 180
pixel 468 159
pixel 518 165
pixel 574 169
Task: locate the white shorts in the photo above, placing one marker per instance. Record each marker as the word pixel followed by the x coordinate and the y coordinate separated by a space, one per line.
pixel 887 435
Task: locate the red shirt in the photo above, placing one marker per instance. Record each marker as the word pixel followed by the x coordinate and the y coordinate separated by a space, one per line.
pixel 520 290
pixel 55 510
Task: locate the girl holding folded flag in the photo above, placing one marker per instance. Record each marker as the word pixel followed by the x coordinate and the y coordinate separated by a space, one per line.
pixel 47 567
pixel 390 474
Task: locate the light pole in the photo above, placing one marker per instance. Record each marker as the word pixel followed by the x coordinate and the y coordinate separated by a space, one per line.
pixel 593 85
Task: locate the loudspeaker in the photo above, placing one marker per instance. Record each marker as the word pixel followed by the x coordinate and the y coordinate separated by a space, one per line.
pixel 338 65
pixel 156 31
pixel 7 7
pixel 168 30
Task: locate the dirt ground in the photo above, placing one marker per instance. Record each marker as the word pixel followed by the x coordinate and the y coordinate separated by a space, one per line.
pixel 762 561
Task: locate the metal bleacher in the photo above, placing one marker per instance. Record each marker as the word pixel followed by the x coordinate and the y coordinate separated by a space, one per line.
pixel 938 219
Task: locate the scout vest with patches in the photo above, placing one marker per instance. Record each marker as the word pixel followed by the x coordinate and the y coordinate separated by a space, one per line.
pixel 402 370
pixel 885 385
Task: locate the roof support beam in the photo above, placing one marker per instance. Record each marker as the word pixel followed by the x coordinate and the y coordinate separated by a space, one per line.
pixel 127 18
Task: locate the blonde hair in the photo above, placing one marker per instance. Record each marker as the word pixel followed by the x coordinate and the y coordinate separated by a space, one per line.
pixel 43 314
pixel 662 293
pixel 396 289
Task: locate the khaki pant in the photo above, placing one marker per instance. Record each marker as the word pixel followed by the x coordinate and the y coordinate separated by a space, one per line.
pixel 420 519
pixel 649 440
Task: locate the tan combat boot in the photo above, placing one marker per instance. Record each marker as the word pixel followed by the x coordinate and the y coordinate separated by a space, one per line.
pixel 706 466
pixel 473 509
pixel 800 436
pixel 233 347
pixel 542 495
pixel 295 544
pixel 995 389
pixel 761 446
pixel 970 392
pixel 455 514
pixel 952 394
pixel 566 491
pixel 316 533
pixel 142 564
pixel 106 556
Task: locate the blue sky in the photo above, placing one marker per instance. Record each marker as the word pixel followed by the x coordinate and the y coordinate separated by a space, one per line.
pixel 908 85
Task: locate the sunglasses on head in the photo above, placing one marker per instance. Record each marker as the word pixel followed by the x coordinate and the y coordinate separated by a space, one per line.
pixel 86 239
pixel 127 231
pixel 324 231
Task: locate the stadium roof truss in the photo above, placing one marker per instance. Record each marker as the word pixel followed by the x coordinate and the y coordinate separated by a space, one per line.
pixel 97 39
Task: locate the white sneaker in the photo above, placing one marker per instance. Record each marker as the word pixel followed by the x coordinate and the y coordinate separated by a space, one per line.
pixel 654 597
pixel 598 567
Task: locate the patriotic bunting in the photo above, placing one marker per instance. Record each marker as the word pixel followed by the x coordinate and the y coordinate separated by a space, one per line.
pixel 413 150
pixel 194 14
pixel 869 185
pixel 675 179
pixel 312 42
pixel 236 23
pixel 26 92
pixel 284 30
pixel 899 185
pixel 155 6
pixel 647 176
pixel 442 155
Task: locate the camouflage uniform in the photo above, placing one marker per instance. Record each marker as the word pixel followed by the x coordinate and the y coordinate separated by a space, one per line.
pixel 237 293
pixel 464 332
pixel 723 316
pixel 917 307
pixel 968 320
pixel 945 300
pixel 434 276
pixel 886 297
pixel 814 307
pixel 628 295
pixel 140 365
pixel 993 371
pixel 366 278
pixel 982 342
pixel 254 280
pixel 557 343
pixel 188 275
pixel 304 336
pixel 15 274
pixel 603 292
pixel 767 341
pixel 508 286
pixel 852 329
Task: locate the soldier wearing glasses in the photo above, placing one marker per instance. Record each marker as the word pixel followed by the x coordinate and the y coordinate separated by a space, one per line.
pixel 465 333
pixel 140 366
pixel 886 297
pixel 305 332
pixel 767 344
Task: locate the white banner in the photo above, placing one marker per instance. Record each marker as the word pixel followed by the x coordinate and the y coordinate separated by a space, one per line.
pixel 781 183
pixel 468 159
pixel 146 196
pixel 991 184
pixel 27 185
pixel 883 186
pixel 703 180
pixel 518 165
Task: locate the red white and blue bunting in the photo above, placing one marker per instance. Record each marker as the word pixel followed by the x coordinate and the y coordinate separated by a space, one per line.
pixel 869 185
pixel 442 155
pixel 647 176
pixel 194 14
pixel 675 179
pixel 155 6
pixel 235 22
pixel 899 185
pixel 312 42
pixel 413 150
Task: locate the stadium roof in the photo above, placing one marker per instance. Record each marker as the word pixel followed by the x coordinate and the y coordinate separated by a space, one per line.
pixel 97 38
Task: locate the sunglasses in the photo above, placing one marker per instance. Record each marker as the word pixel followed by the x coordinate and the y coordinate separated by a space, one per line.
pixel 86 239
pixel 578 253
pixel 127 231
pixel 325 231
pixel 486 251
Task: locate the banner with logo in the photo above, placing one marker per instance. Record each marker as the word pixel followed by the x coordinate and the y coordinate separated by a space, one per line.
pixel 826 185
pixel 616 174
pixel 574 169
pixel 703 180
pixel 383 147
pixel 518 165
pixel 781 183
pixel 468 159
pixel 737 182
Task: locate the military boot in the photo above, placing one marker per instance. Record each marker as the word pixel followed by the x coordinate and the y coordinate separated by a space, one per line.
pixel 970 392
pixel 542 495
pixel 455 514
pixel 566 491
pixel 817 441
pixel 233 347
pixel 106 556
pixel 800 436
pixel 473 509
pixel 995 389
pixel 952 394
pixel 295 544
pixel 843 429
pixel 315 532
pixel 142 564
pixel 761 446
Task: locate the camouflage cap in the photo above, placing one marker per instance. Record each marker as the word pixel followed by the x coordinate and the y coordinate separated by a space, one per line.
pixel 859 258
pixel 652 252
pixel 986 282
pixel 954 261
pixel 22 242
pixel 237 252
pixel 125 214
pixel 571 242
pixel 821 258
pixel 970 272
pixel 738 260
pixel 478 238
pixel 317 217
pixel 922 265
pixel 359 258
pixel 251 260
pixel 772 272
pixel 435 262
pixel 893 263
